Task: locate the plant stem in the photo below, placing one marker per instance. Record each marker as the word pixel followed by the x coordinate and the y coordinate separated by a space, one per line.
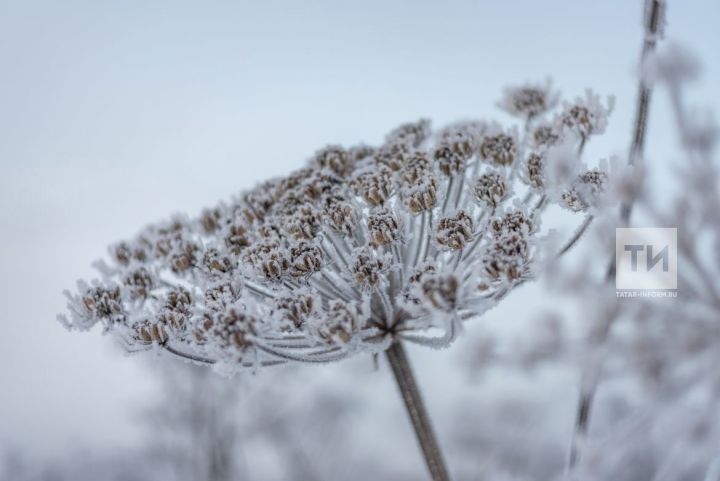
pixel 416 410
pixel 654 12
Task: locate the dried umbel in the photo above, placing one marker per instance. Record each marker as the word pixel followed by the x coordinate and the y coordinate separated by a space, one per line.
pixel 507 257
pixel 500 149
pixel 343 321
pixel 360 248
pixel 374 186
pixel 335 159
pixel 535 170
pixel 454 232
pixel 491 189
pixel 441 291
pixel 383 227
pixel 586 116
pixel 585 191
pixel 368 268
pixel 545 135
pixel 296 308
pixel 529 101
pixel 340 215
pixel 421 195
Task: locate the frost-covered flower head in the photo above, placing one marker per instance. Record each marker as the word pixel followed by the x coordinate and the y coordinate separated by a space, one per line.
pixel 362 246
pixel 529 100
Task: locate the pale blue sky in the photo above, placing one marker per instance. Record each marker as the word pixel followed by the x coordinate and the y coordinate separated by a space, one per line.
pixel 115 114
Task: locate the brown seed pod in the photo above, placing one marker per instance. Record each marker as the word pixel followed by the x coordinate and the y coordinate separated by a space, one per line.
pixel 514 221
pixel 367 268
pixel 104 303
pixel 392 155
pixel 147 332
pixel 295 308
pixel 210 220
pixel 232 328
pixel 417 166
pixel 588 186
pixel 236 238
pixel 340 215
pixel 342 320
pixel 215 262
pixel 579 118
pixel 454 232
pixel 375 187
pixel 305 259
pixel 440 291
pixel 545 135
pixel 319 183
pixel 421 196
pixel 123 253
pixel 268 259
pixel 499 149
pixel 139 283
pixel 507 256
pixel 535 166
pixel 411 133
pixel 334 158
pixel 448 161
pixel 383 227
pixel 218 296
pixel 490 189
pixel 304 222
pixel 184 257
pixel 529 101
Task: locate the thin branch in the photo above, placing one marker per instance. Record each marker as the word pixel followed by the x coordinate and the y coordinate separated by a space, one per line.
pixel 576 237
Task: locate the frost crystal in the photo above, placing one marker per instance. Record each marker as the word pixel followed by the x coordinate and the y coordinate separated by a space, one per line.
pixel 362 246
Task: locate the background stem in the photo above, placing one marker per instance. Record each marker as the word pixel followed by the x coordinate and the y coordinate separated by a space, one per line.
pixel 416 410
pixel 654 17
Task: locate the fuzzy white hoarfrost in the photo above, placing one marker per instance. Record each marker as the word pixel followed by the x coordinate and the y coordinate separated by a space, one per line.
pixel 362 246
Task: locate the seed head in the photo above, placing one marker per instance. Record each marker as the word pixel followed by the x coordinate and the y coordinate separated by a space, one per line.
pixel 412 133
pixel 529 101
pixel 305 258
pixel 454 232
pixel 383 227
pixel 342 322
pixel 499 149
pixel 374 186
pixel 368 268
pixel 440 291
pixel 361 246
pixel 422 195
pixel 534 167
pixel 507 257
pixel 585 191
pixel 333 158
pixel 514 221
pixel 296 308
pixel 490 189
pixel 586 116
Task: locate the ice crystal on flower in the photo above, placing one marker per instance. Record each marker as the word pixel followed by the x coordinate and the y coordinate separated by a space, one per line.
pixel 361 246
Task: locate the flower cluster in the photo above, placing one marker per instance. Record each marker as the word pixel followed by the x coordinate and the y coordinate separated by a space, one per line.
pixel 362 246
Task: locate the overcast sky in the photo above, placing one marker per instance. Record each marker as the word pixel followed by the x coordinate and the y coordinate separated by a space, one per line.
pixel 115 114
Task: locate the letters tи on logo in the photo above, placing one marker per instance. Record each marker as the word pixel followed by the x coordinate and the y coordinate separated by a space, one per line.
pixel 646 260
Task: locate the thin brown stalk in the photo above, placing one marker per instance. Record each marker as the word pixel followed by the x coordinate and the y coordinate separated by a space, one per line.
pixel 405 380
